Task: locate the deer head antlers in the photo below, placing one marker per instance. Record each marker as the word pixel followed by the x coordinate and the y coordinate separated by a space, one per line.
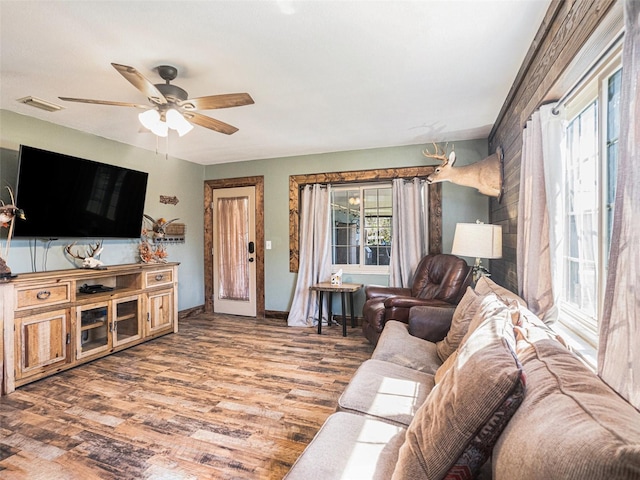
pixel 438 154
pixel 88 261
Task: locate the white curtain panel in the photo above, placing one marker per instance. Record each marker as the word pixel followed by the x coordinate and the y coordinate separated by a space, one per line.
pixel 619 342
pixel 315 255
pixel 409 227
pixel 539 204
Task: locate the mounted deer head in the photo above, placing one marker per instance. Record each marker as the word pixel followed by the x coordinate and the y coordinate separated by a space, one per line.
pixel 485 175
pixel 89 260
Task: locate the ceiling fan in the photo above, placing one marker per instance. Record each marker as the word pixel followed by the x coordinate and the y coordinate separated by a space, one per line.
pixel 171 106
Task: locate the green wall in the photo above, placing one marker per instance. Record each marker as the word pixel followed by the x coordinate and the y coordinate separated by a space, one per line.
pixel 166 177
pixel 460 204
pixel 185 180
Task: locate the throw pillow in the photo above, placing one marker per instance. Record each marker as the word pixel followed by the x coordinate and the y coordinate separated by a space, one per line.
pixel 485 286
pixel 462 316
pixel 453 432
pixel 481 309
pixel 571 425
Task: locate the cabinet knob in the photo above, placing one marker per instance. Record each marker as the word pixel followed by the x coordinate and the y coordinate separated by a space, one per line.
pixel 159 277
pixel 43 294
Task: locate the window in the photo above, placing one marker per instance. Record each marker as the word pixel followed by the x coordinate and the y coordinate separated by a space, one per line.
pixel 361 220
pixel 591 154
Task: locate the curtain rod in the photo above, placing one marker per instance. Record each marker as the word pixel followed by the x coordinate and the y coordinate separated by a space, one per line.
pixel 594 66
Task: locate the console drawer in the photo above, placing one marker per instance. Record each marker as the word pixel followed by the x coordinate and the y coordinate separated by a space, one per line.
pixel 42 295
pixel 159 277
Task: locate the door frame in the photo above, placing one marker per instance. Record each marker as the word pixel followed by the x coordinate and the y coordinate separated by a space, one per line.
pixel 209 187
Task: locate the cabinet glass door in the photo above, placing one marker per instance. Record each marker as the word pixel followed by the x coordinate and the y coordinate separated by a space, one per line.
pixel 126 321
pixel 93 329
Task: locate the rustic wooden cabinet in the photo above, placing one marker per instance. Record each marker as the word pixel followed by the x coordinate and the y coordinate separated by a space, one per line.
pixel 41 343
pixel 52 321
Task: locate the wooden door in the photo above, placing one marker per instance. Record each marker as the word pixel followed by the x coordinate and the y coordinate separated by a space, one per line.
pixel 234 251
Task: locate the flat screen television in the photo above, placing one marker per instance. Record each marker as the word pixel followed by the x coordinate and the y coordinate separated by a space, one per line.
pixel 69 197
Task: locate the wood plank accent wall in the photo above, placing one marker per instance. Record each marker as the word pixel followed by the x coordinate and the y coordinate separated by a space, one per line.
pixel 564 30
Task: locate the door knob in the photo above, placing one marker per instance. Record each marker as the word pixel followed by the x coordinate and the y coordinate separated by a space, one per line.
pixel 252 247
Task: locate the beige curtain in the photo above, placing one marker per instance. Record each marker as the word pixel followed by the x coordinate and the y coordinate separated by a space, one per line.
pixel 619 343
pixel 539 202
pixel 233 237
pixel 409 230
pixel 315 255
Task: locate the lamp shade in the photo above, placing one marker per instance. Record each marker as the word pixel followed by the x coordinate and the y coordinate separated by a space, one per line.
pixel 478 240
pixel 152 121
pixel 176 121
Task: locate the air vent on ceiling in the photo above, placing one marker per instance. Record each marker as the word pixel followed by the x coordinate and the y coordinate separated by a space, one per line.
pixel 41 104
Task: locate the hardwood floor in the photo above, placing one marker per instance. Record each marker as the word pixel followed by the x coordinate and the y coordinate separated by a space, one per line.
pixel 225 398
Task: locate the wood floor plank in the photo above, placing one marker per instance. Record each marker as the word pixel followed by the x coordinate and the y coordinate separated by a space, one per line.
pixel 225 398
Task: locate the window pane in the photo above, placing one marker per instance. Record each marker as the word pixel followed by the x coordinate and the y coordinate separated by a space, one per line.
pixel 581 246
pixel 345 212
pixel 613 133
pixel 377 226
pixel 364 209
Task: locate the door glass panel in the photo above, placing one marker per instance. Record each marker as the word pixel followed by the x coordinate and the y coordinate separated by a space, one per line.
pixel 127 321
pixel 93 329
pixel 233 239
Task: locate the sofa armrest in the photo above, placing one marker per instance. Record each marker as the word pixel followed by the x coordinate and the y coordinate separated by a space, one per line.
pixel 397 308
pixel 430 323
pixel 378 291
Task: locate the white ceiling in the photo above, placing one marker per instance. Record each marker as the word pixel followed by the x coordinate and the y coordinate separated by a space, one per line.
pixel 325 75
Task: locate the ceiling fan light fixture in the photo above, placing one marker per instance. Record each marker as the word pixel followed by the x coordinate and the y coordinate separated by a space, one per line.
pixel 177 122
pixel 151 120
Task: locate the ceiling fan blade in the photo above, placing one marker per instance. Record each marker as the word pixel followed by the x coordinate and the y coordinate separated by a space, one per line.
pixel 210 123
pixel 217 101
pixel 104 102
pixel 141 83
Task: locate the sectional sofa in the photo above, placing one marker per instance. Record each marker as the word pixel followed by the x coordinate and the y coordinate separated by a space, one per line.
pixel 500 396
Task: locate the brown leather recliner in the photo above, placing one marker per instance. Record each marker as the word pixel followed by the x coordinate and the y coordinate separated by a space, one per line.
pixel 440 280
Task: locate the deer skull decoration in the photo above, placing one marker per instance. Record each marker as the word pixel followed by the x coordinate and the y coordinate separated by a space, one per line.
pixel 485 175
pixel 89 260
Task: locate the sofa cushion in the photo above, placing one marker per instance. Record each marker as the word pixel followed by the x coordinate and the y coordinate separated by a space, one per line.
pixel 350 447
pixel 397 345
pixel 455 429
pixel 462 316
pixel 571 425
pixel 483 308
pixel 485 286
pixel 386 391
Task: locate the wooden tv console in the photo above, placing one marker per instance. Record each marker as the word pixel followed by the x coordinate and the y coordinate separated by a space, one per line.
pixel 49 325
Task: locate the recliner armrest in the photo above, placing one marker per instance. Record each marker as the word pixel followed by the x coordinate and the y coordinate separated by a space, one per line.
pixel 430 323
pixel 381 292
pixel 410 302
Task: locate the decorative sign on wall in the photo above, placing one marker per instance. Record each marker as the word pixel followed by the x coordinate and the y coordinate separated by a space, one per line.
pixel 173 233
pixel 167 200
pixel 164 231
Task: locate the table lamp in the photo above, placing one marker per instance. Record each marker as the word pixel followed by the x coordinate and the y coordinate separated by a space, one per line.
pixel 478 240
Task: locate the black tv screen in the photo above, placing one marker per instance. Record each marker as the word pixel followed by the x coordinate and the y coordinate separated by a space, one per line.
pixel 69 197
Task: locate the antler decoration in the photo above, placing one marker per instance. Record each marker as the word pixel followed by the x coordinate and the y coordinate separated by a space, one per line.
pixel 438 154
pixel 89 260
pixel 7 214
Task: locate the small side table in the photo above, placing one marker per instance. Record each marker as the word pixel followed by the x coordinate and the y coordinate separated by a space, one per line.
pixel 343 289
